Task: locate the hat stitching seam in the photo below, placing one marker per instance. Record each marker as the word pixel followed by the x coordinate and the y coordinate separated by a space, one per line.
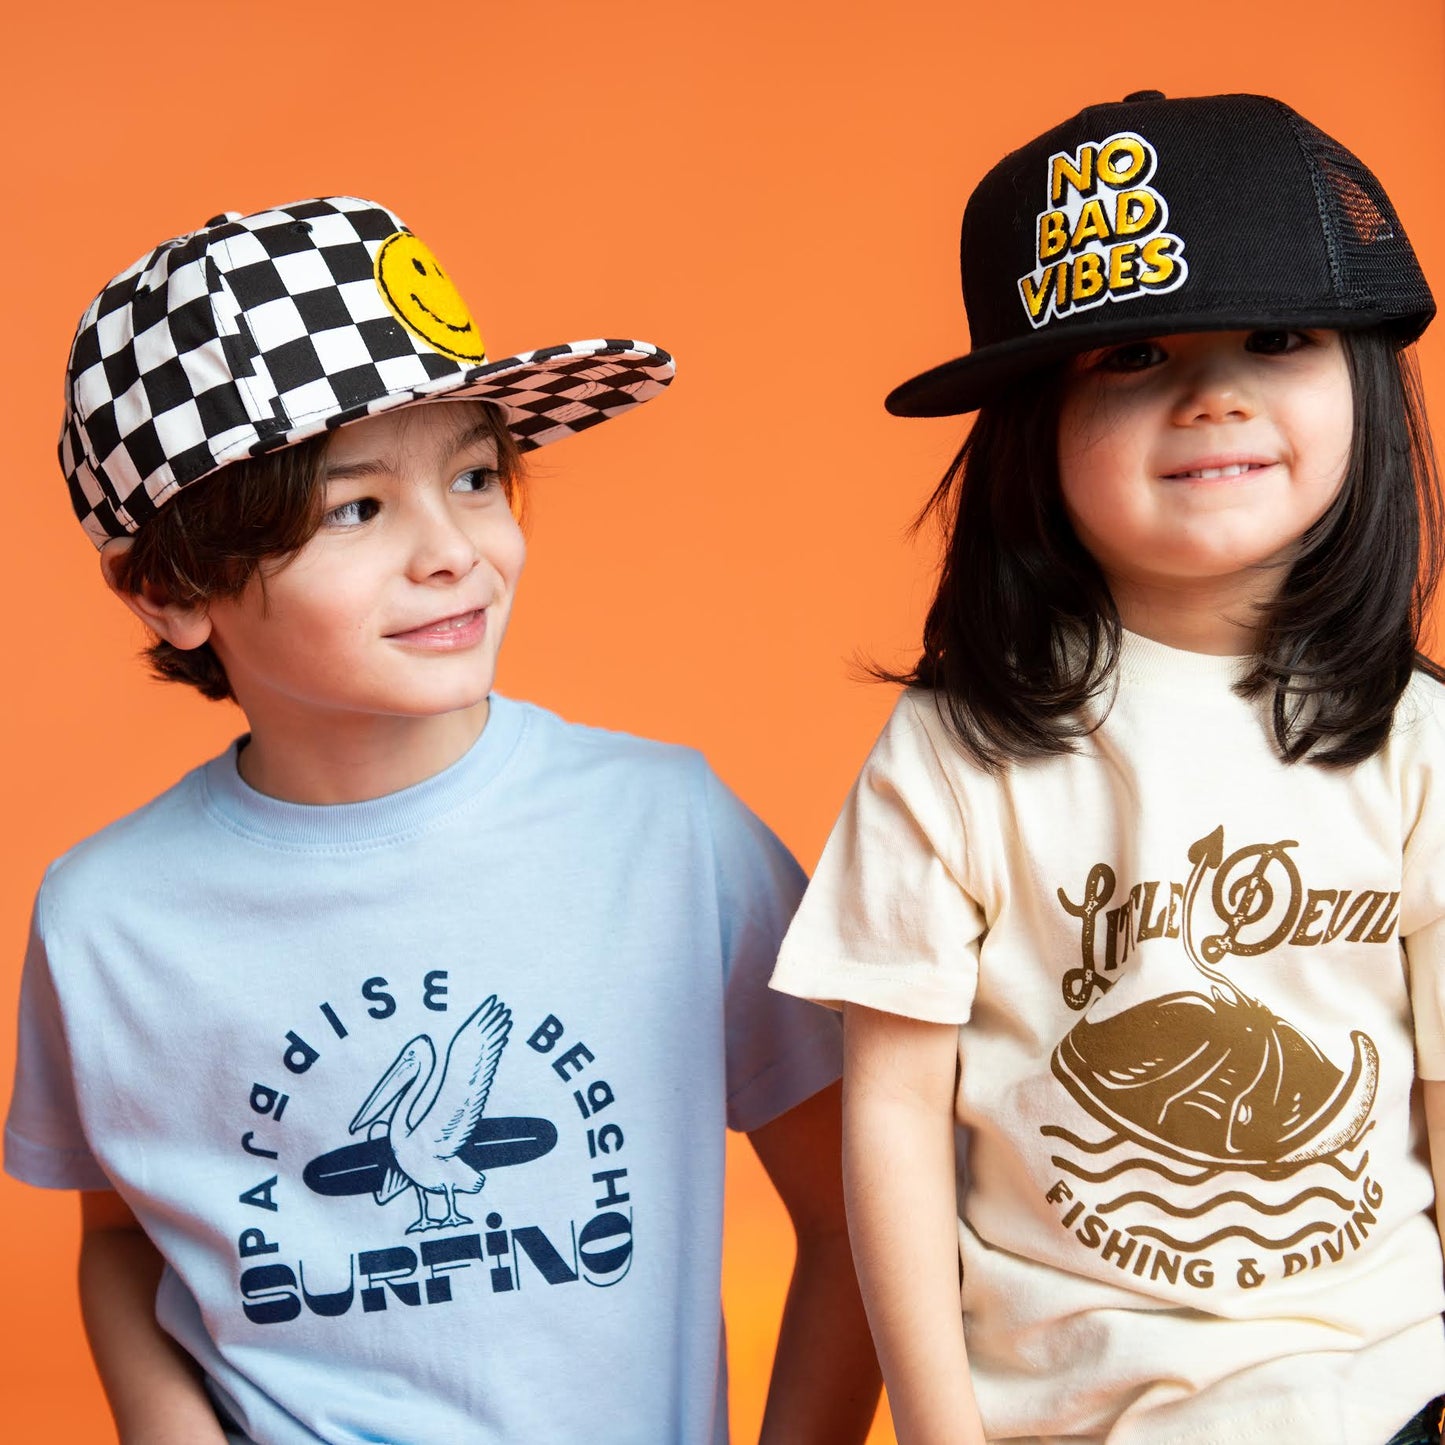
pixel 241 383
pixel 1317 185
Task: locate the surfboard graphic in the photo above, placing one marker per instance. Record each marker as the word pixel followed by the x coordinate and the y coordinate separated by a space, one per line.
pixel 369 1166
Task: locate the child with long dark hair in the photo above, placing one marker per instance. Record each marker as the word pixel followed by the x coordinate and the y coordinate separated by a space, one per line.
pixel 1143 885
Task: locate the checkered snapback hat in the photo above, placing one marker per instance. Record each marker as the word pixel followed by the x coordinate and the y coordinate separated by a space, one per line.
pixel 259 331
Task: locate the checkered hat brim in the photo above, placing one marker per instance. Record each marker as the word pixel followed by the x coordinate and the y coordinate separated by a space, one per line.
pixel 263 330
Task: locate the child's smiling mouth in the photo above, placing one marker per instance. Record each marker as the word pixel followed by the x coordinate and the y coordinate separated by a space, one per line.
pixel 1214 470
pixel 461 629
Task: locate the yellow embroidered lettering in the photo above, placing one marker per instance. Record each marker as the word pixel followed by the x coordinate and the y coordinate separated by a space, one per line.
pixel 1088 276
pixel 1161 265
pixel 1092 225
pixel 1071 171
pixel 1135 211
pixel 1036 292
pixel 1090 241
pixel 1053 234
pixel 1120 160
pixel 1122 278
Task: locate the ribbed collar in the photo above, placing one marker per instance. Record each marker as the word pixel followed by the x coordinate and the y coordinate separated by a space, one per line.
pixel 321 826
pixel 1145 663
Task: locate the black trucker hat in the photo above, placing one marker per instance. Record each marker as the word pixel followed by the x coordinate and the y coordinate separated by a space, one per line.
pixel 1152 216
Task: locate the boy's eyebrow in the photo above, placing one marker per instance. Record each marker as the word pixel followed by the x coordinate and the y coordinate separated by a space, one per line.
pixel 364 467
pixel 480 432
pixel 472 436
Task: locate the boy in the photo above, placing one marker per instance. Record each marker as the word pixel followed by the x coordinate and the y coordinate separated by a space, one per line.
pixel 397 1042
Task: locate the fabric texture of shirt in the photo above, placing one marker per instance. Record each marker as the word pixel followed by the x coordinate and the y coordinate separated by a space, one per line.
pixel 1194 988
pixel 423 1099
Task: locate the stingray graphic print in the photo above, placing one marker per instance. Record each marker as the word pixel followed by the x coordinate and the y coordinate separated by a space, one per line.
pixel 427 1130
pixel 1207 1082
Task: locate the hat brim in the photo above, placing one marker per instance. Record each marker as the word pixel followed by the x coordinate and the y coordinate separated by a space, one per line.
pixel 969 382
pixel 551 393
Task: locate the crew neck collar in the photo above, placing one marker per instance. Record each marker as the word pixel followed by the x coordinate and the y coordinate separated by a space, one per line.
pixel 1143 661
pixel 375 821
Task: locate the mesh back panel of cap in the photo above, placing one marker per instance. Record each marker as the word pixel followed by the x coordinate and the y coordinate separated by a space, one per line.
pixel 1369 254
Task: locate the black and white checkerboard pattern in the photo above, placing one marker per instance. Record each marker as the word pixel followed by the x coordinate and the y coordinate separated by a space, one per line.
pixel 262 330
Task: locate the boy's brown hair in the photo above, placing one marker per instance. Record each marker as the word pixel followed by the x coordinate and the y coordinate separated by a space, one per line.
pixel 215 535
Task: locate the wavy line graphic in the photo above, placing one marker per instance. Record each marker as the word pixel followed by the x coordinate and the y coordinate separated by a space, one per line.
pixel 1148 1165
pixel 1232 1196
pixel 1053 1131
pixel 1263 1241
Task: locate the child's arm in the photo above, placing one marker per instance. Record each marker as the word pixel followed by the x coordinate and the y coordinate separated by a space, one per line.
pixel 153 1386
pixel 899 1172
pixel 1433 1091
pixel 824 1389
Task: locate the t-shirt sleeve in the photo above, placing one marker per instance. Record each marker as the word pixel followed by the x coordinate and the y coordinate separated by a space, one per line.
pixel 780 1051
pixel 887 921
pixel 44 1141
pixel 1422 902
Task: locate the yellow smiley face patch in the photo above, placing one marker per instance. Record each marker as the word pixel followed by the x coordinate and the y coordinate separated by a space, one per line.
pixel 421 296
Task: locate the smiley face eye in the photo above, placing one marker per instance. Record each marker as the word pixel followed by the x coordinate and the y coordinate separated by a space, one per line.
pixel 421 297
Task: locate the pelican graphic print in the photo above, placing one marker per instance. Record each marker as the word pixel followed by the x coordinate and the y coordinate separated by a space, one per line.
pixel 430 1194
pixel 1256 1131
pixel 426 1129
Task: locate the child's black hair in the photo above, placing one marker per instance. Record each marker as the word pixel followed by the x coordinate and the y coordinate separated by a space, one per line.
pixel 1023 635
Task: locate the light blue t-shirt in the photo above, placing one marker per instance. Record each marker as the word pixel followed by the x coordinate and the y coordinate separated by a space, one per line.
pixel 423 1098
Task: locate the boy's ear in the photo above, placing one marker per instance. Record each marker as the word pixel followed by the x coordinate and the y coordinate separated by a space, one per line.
pixel 183 624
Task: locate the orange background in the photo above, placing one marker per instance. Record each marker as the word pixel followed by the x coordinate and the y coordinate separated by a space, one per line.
pixel 769 188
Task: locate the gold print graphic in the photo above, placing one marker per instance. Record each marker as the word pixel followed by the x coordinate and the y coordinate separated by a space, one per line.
pixel 1081 983
pixel 1257 893
pixel 1244 894
pixel 1217 1080
pixel 1149 910
pixel 1199 1082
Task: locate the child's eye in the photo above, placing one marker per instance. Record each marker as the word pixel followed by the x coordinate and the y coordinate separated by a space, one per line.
pixel 477 479
pixel 1275 343
pixel 1131 356
pixel 352 513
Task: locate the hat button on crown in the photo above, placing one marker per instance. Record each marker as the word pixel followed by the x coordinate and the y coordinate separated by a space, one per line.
pixel 1144 95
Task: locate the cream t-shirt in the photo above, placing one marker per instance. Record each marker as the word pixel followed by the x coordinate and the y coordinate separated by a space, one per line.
pixel 1194 987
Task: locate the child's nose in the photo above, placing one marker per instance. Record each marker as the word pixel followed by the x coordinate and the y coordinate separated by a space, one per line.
pixel 1216 388
pixel 440 545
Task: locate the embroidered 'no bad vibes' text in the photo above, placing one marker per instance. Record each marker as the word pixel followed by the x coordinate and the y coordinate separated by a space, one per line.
pixel 1102 236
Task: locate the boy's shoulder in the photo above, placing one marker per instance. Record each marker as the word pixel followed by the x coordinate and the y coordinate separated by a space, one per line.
pixel 556 741
pixel 124 852
pixel 588 768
